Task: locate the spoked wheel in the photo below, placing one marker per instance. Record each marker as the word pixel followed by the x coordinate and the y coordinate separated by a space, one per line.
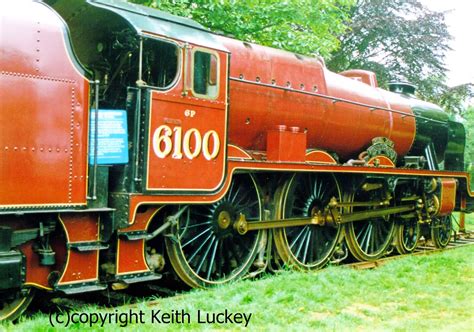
pixel 307 247
pixel 368 239
pixel 407 234
pixel 206 250
pixel 441 228
pixel 13 303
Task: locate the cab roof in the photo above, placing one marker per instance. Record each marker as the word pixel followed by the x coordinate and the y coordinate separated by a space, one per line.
pixel 149 20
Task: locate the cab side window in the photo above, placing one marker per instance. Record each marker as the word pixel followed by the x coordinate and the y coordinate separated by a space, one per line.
pixel 160 63
pixel 205 78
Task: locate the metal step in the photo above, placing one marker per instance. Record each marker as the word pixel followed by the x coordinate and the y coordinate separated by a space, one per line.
pixel 81 289
pixel 88 246
pixel 132 279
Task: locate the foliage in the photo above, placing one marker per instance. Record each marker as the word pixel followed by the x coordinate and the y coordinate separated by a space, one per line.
pixel 410 294
pixel 301 26
pixel 468 116
pixel 401 40
pixel 452 99
pixel 398 39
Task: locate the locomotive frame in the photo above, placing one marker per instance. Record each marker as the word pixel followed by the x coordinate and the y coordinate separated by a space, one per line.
pixel 232 164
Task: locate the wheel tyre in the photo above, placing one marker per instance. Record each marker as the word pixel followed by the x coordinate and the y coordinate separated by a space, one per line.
pixel 441 229
pixel 242 197
pixel 301 196
pixel 12 310
pixel 406 237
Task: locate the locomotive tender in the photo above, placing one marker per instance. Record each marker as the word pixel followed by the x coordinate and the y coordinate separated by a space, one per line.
pixel 134 143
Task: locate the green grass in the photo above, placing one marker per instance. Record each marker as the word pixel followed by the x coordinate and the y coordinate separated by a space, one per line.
pixel 417 293
pixel 469 222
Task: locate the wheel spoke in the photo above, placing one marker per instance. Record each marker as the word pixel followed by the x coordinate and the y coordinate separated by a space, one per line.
pixel 307 247
pixel 441 231
pixel 247 207
pixel 203 260
pixel 209 252
pixel 196 237
pixel 312 246
pixel 211 261
pixel 360 231
pixel 368 239
pixel 302 210
pixel 320 244
pixel 379 238
pixel 200 224
pixel 307 244
pixel 318 194
pixel 368 236
pixel 299 235
pixel 302 242
pixel 200 247
pixel 232 199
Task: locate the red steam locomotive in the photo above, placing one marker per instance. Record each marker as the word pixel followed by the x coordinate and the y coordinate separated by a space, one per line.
pixel 135 144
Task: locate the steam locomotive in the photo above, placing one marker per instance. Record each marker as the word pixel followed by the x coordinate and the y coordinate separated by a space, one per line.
pixel 135 145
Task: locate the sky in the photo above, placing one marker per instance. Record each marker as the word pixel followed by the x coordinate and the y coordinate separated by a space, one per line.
pixel 459 61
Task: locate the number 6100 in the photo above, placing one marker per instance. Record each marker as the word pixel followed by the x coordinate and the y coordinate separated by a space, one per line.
pixel 167 140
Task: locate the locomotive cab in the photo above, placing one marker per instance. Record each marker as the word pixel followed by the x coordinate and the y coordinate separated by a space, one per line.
pixel 168 76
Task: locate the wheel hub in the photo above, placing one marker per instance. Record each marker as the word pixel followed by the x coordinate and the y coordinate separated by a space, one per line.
pixel 223 219
pixel 315 206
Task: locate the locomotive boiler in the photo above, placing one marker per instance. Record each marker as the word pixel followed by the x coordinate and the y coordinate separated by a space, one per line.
pixel 136 145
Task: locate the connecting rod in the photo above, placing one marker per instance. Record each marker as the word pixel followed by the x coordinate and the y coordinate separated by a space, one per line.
pixel 331 216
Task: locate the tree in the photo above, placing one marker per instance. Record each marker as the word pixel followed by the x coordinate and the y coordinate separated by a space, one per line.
pixel 400 40
pixel 301 26
pixel 452 99
pixel 469 125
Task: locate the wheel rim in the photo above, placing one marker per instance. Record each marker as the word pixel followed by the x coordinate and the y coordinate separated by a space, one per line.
pixel 14 303
pixel 206 250
pixel 408 234
pixel 368 239
pixel 441 228
pixel 311 246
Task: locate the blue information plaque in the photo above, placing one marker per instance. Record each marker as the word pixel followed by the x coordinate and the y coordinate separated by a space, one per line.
pixel 112 137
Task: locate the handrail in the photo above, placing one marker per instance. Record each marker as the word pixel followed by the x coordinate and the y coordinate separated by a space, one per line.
pixel 334 99
pixel 96 139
